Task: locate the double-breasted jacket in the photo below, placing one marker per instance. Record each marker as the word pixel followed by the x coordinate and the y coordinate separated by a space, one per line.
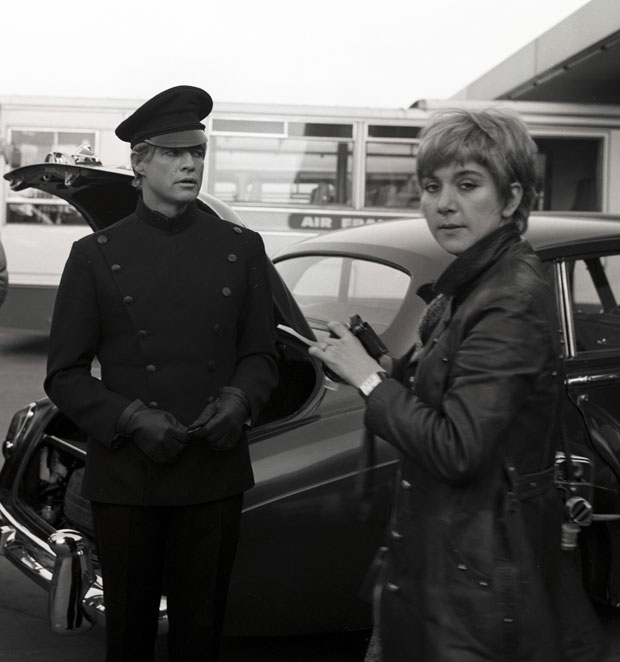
pixel 172 310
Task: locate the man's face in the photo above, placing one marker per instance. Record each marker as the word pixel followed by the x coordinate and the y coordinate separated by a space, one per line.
pixel 171 178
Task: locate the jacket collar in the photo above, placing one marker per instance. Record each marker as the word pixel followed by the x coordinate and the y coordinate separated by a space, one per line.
pixel 477 259
pixel 167 225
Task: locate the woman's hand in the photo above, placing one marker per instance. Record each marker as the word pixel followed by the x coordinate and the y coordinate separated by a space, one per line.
pixel 345 355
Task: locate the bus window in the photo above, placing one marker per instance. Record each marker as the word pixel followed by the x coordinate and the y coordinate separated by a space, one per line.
pixel 32 146
pixel 289 163
pixel 390 167
pixel 570 173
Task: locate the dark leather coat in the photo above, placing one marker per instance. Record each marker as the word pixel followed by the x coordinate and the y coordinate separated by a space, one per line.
pixel 173 310
pixel 469 574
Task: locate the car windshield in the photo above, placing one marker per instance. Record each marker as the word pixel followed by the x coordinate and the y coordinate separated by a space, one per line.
pixel 334 287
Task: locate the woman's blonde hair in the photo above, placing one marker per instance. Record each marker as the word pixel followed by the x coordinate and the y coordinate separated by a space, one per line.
pixel 496 138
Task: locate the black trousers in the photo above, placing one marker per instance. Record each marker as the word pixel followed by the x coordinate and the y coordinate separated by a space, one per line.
pixel 184 552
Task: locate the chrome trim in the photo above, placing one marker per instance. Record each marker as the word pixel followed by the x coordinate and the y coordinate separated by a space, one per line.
pixel 72 578
pixel 8 446
pixel 75 590
pixel 39 542
pixel 566 307
pixel 593 379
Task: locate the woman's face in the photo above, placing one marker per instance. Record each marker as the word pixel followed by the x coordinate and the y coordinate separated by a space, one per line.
pixel 462 204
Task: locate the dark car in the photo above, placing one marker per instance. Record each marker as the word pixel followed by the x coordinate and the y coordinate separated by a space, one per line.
pixel 320 507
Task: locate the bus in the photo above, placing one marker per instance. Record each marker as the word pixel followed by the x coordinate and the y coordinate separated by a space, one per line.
pixel 288 171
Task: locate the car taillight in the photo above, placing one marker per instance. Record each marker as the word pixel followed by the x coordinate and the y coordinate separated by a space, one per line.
pixel 17 429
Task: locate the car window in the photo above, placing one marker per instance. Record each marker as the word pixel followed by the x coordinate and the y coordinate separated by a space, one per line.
pixel 336 287
pixel 595 293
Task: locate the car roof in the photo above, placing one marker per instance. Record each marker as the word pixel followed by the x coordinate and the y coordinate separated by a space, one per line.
pixel 406 241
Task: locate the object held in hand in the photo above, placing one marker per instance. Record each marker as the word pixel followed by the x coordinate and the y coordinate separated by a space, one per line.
pixel 367 336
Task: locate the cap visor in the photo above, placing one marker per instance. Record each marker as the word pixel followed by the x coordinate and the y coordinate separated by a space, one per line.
pixel 180 139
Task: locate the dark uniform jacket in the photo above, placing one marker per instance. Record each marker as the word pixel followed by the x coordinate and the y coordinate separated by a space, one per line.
pixel 173 310
pixel 470 573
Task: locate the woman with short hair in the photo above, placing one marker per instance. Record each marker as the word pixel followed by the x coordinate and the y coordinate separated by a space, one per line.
pixel 472 568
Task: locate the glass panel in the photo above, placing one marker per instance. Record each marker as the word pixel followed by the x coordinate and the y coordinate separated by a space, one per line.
pixel 43 214
pixel 384 131
pixel 334 288
pixel 320 130
pixel 33 146
pixel 248 126
pixel 69 141
pixel 570 174
pixel 595 288
pixel 280 170
pixel 390 175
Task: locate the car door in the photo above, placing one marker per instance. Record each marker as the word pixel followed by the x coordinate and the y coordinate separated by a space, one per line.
pixel 589 295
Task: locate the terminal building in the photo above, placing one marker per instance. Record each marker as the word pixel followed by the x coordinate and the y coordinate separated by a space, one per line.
pixel 290 171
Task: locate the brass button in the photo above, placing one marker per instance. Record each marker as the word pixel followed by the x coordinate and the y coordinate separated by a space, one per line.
pixel 116 268
pixel 150 368
pixel 102 239
pixel 128 300
pixel 211 365
pixel 226 291
pixel 393 588
pixel 405 484
pixel 153 404
pixel 396 535
pixel 237 229
pixel 217 329
pixel 232 257
pixel 143 333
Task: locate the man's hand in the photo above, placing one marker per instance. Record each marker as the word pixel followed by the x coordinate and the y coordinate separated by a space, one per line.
pixel 221 422
pixel 157 433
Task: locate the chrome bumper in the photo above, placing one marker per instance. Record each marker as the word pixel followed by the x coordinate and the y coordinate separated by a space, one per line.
pixel 62 566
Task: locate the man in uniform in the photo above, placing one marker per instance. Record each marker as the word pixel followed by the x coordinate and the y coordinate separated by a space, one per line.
pixel 175 305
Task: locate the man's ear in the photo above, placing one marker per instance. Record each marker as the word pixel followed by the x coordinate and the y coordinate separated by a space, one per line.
pixel 513 201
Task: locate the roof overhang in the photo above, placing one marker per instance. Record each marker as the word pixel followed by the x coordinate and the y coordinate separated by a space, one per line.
pixel 577 61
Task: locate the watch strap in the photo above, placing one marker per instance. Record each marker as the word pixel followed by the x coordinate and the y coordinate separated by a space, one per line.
pixel 371 382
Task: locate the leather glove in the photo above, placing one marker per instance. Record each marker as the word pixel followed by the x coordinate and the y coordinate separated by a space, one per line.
pixel 158 433
pixel 221 421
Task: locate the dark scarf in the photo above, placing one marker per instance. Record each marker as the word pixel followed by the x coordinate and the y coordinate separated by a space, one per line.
pixel 460 275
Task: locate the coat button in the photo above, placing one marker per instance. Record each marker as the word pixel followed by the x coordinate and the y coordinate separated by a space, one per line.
pixel 143 333
pixel 393 588
pixel 226 291
pixel 237 229
pixel 232 257
pixel 128 300
pixel 405 484
pixel 396 535
pixel 445 359
pixel 153 404
pixel 461 566
pixel 217 329
pixel 116 268
pixel 150 368
pixel 211 365
pixel 102 239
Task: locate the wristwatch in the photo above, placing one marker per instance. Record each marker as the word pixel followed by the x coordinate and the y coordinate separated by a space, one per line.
pixel 369 384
